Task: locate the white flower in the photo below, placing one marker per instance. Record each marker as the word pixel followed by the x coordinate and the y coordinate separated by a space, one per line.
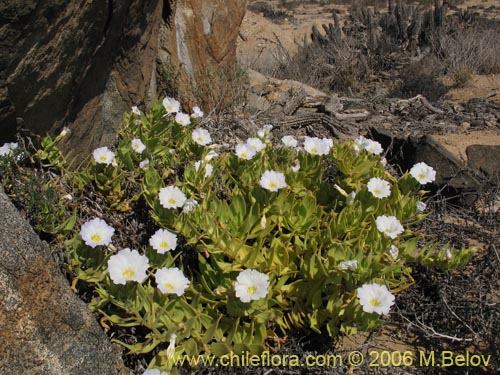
pixel 182 119
pixel 375 298
pixel 263 222
pixel 163 241
pixel 138 146
pixel 316 146
pixel 328 142
pixel 114 163
pixel 289 141
pixel 171 346
pixel 201 136
pixel 144 164
pixel 154 371
pixel 264 132
pixel 421 206
pixel 272 180
pixel 351 197
pixel 5 149
pixel 171 151
pixel 96 232
pixel 244 151
pixel 379 188
pixel 394 251
pixel 374 147
pixel 256 144
pixel 448 254
pixel 389 225
pixel 348 265
pixel 103 155
pixel 251 285
pixel 128 265
pixel 171 281
pixel 189 205
pixel 171 105
pixel 360 143
pixel 208 168
pixel 136 111
pixel 295 168
pixel 67 197
pixel 211 154
pixel 171 197
pixel 383 161
pixel 423 173
pixel 197 112
pixel 64 132
pixel 12 145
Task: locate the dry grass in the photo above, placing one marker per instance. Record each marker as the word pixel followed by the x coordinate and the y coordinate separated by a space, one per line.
pixel 469 52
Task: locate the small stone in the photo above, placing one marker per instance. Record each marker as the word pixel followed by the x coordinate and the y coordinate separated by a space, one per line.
pixel 465 125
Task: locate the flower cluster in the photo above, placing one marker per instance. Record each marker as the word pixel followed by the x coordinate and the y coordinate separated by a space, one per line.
pixel 264 234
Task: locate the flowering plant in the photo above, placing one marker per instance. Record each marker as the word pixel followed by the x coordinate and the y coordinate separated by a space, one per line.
pixel 242 246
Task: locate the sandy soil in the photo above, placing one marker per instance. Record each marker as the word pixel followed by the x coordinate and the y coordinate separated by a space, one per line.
pixel 480 86
pixel 264 42
pixel 457 143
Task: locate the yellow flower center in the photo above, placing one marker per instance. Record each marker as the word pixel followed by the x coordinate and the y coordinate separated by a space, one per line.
pixel 171 201
pixel 168 286
pixel 421 176
pixel 272 185
pixel 376 192
pixel 244 155
pixel 374 302
pixel 163 244
pixel 314 150
pixel 103 158
pixel 128 273
pixel 251 290
pixel 96 237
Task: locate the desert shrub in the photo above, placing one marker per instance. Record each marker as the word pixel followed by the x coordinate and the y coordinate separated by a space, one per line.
pixel 469 51
pixel 422 77
pixel 336 66
pixel 232 250
pixel 268 11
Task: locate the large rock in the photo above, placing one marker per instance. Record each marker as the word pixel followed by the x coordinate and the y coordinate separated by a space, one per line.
pixel 199 42
pixel 44 328
pixel 453 179
pixel 484 158
pixel 82 63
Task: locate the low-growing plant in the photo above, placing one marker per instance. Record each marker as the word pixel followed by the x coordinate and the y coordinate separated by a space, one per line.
pixel 248 244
